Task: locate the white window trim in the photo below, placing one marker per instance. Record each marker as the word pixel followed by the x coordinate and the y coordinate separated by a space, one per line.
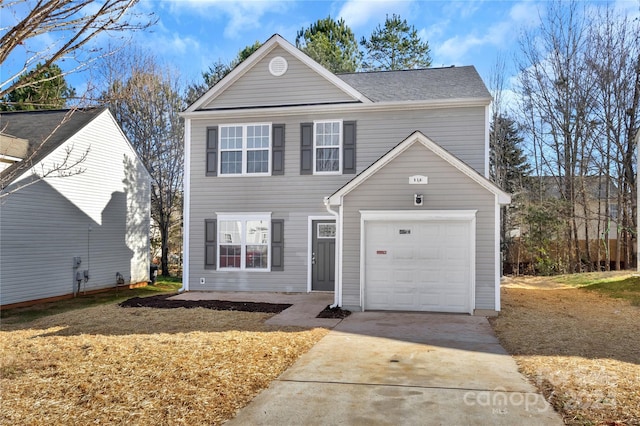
pixel 244 149
pixel 339 171
pixel 243 217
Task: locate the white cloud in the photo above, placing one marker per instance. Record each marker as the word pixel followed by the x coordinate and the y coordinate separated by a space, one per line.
pixel 240 16
pixel 497 34
pixel 362 13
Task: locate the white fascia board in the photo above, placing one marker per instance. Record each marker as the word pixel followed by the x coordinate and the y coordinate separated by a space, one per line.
pixel 331 77
pixel 394 215
pixel 278 111
pixel 501 196
pixel 234 75
pixel 10 158
pixel 275 41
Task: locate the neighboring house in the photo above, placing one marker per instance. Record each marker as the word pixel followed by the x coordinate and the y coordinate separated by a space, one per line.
pixel 369 185
pixel 596 221
pixel 96 219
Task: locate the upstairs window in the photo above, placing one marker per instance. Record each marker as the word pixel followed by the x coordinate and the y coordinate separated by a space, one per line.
pixel 327 144
pixel 245 149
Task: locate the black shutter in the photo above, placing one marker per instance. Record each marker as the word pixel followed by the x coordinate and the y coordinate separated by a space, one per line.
pixel 277 244
pixel 212 151
pixel 349 147
pixel 277 149
pixel 210 247
pixel 306 148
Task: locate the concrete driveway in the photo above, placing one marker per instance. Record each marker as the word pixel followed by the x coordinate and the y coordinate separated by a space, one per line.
pixel 402 368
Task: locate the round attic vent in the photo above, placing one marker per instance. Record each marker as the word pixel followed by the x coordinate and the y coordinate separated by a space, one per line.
pixel 278 66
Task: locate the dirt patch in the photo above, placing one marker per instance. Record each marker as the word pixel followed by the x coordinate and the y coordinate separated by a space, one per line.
pixel 111 365
pixel 163 302
pixel 581 349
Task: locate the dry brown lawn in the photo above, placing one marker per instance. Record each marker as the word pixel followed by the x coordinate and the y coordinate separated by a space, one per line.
pixel 112 365
pixel 582 349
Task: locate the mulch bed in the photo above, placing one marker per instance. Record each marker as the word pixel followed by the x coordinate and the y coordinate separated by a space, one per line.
pixel 163 302
pixel 333 313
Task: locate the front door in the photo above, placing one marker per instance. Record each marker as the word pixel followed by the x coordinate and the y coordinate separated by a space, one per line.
pixel 323 255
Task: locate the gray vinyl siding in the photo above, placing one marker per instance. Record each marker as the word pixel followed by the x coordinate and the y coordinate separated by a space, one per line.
pixel 294 197
pixel 448 189
pixel 45 225
pixel 299 85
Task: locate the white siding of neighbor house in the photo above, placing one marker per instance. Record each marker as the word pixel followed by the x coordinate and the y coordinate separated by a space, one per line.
pixel 299 85
pixel 447 189
pixel 294 197
pixel 45 225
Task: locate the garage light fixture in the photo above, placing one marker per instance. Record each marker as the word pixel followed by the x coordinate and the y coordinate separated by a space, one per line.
pixel 418 199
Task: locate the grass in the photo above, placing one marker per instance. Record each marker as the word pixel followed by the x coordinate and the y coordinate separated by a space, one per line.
pixel 619 285
pixel 576 338
pixel 628 289
pixel 30 313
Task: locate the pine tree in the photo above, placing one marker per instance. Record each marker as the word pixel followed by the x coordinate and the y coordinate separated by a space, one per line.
pixel 49 90
pixel 332 44
pixel 396 46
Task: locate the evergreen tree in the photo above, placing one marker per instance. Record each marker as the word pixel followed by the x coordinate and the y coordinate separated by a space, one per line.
pixel 48 90
pixel 396 46
pixel 332 44
pixel 508 165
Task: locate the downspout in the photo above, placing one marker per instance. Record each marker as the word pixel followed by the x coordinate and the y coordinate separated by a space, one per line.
pixel 186 210
pixel 337 293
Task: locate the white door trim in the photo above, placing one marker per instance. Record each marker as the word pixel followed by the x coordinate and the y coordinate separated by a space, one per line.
pixel 421 215
pixel 310 231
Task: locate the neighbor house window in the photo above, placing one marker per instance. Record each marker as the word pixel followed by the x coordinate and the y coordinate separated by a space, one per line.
pixel 243 242
pixel 245 149
pixel 327 144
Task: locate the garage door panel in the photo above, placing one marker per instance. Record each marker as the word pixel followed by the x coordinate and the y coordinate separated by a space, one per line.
pixel 427 265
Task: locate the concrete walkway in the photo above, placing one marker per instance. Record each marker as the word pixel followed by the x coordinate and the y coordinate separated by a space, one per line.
pixel 402 368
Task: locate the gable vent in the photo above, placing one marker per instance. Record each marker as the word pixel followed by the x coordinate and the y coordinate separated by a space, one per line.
pixel 278 66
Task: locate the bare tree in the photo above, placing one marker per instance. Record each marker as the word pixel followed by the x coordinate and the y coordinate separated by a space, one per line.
pixel 70 26
pixel 614 59
pixel 145 99
pixel 558 107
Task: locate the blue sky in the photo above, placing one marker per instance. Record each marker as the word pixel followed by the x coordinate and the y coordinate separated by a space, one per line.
pixel 195 33
pixel 190 35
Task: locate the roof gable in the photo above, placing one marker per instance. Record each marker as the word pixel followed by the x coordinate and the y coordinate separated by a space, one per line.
pixel 45 130
pixel 418 138
pixel 259 60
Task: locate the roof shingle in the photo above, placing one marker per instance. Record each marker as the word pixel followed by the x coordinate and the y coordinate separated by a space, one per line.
pixel 419 85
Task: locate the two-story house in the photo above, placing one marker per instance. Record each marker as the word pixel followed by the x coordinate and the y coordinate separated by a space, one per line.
pixel 369 185
pixel 75 206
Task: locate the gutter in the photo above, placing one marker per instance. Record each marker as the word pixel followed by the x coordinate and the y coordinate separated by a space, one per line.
pixel 337 293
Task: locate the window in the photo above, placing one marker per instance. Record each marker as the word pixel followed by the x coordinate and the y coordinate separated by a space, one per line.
pixel 327 144
pixel 244 242
pixel 245 149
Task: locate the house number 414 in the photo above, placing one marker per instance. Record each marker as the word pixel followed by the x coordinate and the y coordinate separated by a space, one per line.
pixel 418 180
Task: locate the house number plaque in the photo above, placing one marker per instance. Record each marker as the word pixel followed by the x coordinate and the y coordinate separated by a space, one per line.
pixel 418 180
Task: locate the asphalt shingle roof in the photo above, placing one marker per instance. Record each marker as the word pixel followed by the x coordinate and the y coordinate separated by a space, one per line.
pixel 419 85
pixel 37 126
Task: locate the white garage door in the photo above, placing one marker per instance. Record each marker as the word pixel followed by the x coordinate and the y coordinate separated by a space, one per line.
pixel 418 265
